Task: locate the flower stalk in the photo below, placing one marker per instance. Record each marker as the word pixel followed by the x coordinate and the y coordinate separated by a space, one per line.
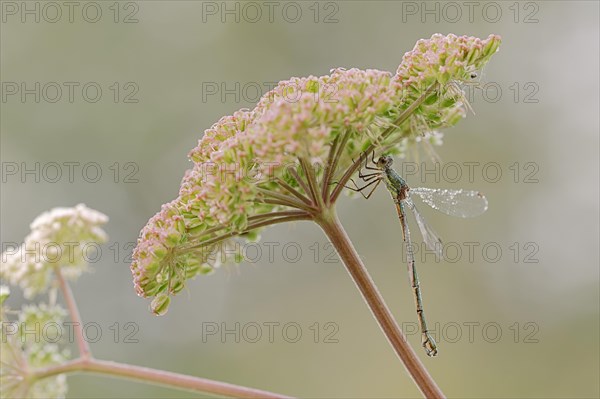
pixel 335 232
pixel 82 344
pixel 155 377
pixel 88 364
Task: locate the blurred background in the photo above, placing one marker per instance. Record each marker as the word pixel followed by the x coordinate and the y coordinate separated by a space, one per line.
pixel 126 89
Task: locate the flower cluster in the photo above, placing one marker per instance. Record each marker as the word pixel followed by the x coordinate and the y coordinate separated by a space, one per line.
pixel 445 58
pixel 58 238
pixel 157 267
pixel 24 347
pixel 448 63
pixel 248 165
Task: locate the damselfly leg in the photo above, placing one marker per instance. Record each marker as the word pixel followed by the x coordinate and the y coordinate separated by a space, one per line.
pixel 371 179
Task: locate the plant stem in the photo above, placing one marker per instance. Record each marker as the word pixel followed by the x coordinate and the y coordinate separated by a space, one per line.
pixel 82 344
pixel 86 363
pixel 332 227
pixel 156 377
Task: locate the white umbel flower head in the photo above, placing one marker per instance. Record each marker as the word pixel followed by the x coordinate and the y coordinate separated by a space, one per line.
pixel 24 348
pixel 60 237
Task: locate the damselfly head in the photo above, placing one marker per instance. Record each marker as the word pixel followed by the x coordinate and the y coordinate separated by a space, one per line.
pixel 384 161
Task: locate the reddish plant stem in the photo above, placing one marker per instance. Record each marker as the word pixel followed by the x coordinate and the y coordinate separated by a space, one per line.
pixel 338 237
pixel 156 377
pixel 86 363
pixel 84 347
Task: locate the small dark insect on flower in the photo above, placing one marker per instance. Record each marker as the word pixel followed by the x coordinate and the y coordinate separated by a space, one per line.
pixel 473 75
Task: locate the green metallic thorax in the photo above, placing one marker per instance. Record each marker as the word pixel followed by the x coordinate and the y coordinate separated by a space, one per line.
pixel 396 185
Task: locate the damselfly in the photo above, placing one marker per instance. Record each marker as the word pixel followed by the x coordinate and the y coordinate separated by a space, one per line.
pixel 461 203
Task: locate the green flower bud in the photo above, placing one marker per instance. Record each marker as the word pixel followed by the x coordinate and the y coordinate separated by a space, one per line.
pixel 160 304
